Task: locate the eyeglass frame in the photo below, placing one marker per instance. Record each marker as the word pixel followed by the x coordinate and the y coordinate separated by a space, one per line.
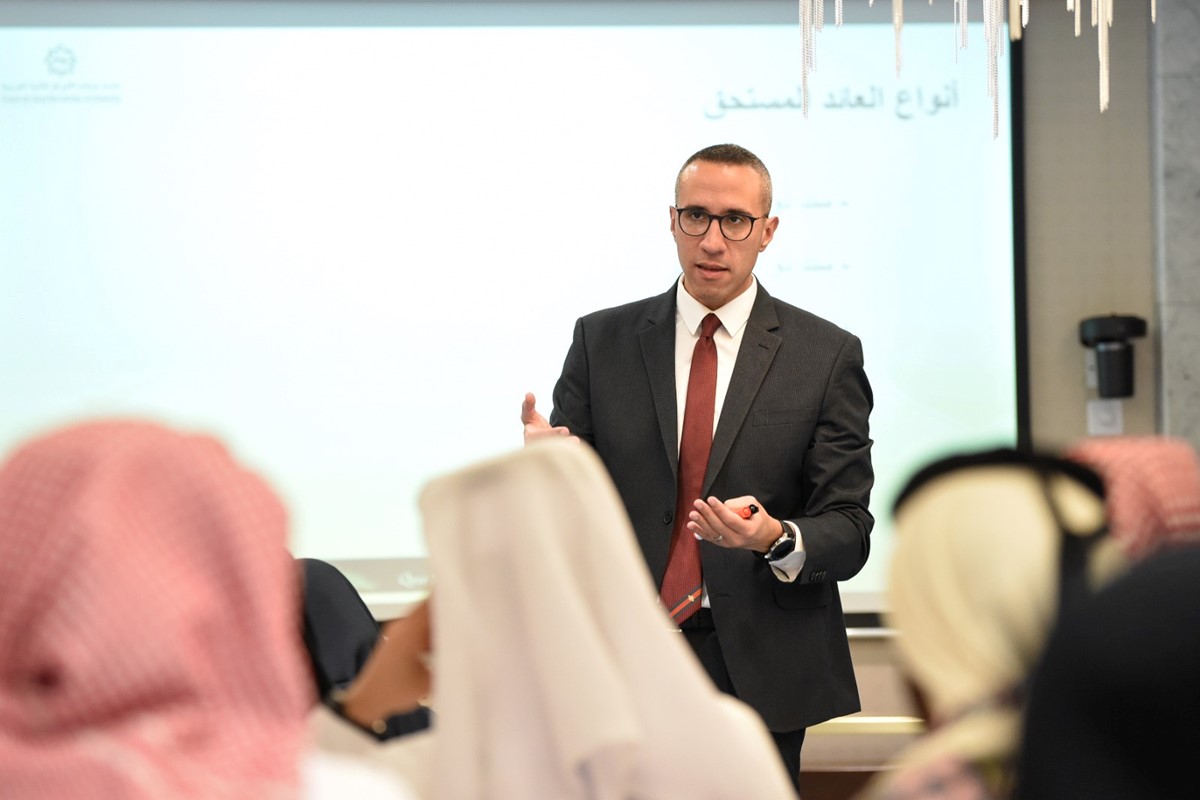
pixel 720 218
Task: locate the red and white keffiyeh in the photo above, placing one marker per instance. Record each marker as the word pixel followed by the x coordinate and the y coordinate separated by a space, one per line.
pixel 1153 489
pixel 149 622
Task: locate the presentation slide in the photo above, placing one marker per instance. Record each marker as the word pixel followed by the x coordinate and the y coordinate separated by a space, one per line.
pixel 349 250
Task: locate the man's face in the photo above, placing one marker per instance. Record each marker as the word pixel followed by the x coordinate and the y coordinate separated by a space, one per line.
pixel 716 270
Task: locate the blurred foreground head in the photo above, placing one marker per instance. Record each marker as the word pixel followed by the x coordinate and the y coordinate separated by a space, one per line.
pixel 988 547
pixel 556 671
pixel 149 621
pixel 1114 700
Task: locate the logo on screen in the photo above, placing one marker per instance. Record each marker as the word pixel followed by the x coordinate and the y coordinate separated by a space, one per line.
pixel 60 60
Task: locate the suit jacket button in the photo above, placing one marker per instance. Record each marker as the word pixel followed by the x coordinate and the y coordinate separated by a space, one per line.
pixel 667 517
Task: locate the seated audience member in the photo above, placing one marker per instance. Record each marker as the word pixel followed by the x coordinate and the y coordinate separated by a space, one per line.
pixel 1110 729
pixel 1153 489
pixel 394 678
pixel 1113 706
pixel 556 672
pixel 340 634
pixel 988 548
pixel 148 627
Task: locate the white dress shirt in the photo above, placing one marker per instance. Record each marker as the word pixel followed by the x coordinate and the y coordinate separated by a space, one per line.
pixel 689 313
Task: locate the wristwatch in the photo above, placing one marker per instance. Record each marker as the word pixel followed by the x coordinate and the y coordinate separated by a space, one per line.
pixel 783 546
pixel 337 703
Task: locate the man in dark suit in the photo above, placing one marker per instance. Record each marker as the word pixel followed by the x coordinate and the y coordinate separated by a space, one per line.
pixel 790 441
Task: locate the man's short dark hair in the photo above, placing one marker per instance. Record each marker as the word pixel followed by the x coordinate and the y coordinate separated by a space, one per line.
pixel 730 154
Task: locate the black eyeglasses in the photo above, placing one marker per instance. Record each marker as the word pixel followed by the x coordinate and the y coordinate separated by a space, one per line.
pixel 697 221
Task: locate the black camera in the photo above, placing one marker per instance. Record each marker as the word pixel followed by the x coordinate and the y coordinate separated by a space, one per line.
pixel 1110 336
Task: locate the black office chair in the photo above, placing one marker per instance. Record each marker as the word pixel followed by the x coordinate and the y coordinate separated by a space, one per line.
pixel 339 633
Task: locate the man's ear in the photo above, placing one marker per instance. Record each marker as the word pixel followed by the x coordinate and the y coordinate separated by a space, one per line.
pixel 768 233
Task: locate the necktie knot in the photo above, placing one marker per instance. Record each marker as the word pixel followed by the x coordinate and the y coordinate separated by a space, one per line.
pixel 709 325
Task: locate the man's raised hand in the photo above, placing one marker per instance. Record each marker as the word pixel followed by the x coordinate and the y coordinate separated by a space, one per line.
pixel 537 426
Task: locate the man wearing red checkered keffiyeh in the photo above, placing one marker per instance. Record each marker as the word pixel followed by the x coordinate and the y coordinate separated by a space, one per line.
pixel 1153 489
pixel 149 622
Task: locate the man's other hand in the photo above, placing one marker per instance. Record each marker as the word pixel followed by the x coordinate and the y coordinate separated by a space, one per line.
pixel 537 426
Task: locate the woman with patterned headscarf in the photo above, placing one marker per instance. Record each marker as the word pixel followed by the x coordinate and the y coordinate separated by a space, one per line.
pixel 988 547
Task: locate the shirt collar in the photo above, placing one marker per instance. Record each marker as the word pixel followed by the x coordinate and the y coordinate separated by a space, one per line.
pixel 733 315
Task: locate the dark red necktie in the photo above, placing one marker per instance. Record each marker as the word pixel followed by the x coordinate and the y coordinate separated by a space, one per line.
pixel 682 581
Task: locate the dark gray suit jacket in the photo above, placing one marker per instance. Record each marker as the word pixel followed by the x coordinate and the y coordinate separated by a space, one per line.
pixel 793 432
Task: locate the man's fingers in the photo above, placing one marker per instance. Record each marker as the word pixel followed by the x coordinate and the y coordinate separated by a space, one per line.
pixel 706 521
pixel 722 512
pixel 537 426
pixel 721 523
pixel 528 409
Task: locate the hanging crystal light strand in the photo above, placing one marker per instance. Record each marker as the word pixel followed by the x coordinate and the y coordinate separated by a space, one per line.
pixel 1015 12
pixel 806 45
pixel 993 25
pixel 1102 30
pixel 1018 18
pixel 812 19
pixel 964 21
pixel 960 30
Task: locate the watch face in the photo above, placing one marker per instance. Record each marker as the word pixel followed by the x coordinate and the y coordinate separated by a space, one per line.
pixel 782 550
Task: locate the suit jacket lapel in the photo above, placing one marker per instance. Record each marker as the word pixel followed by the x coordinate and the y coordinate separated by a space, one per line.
pixel 657 340
pixel 759 345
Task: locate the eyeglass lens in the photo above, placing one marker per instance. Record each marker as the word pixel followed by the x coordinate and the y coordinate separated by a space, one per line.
pixel 734 227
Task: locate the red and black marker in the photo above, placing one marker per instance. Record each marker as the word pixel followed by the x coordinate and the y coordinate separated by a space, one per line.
pixel 745 512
